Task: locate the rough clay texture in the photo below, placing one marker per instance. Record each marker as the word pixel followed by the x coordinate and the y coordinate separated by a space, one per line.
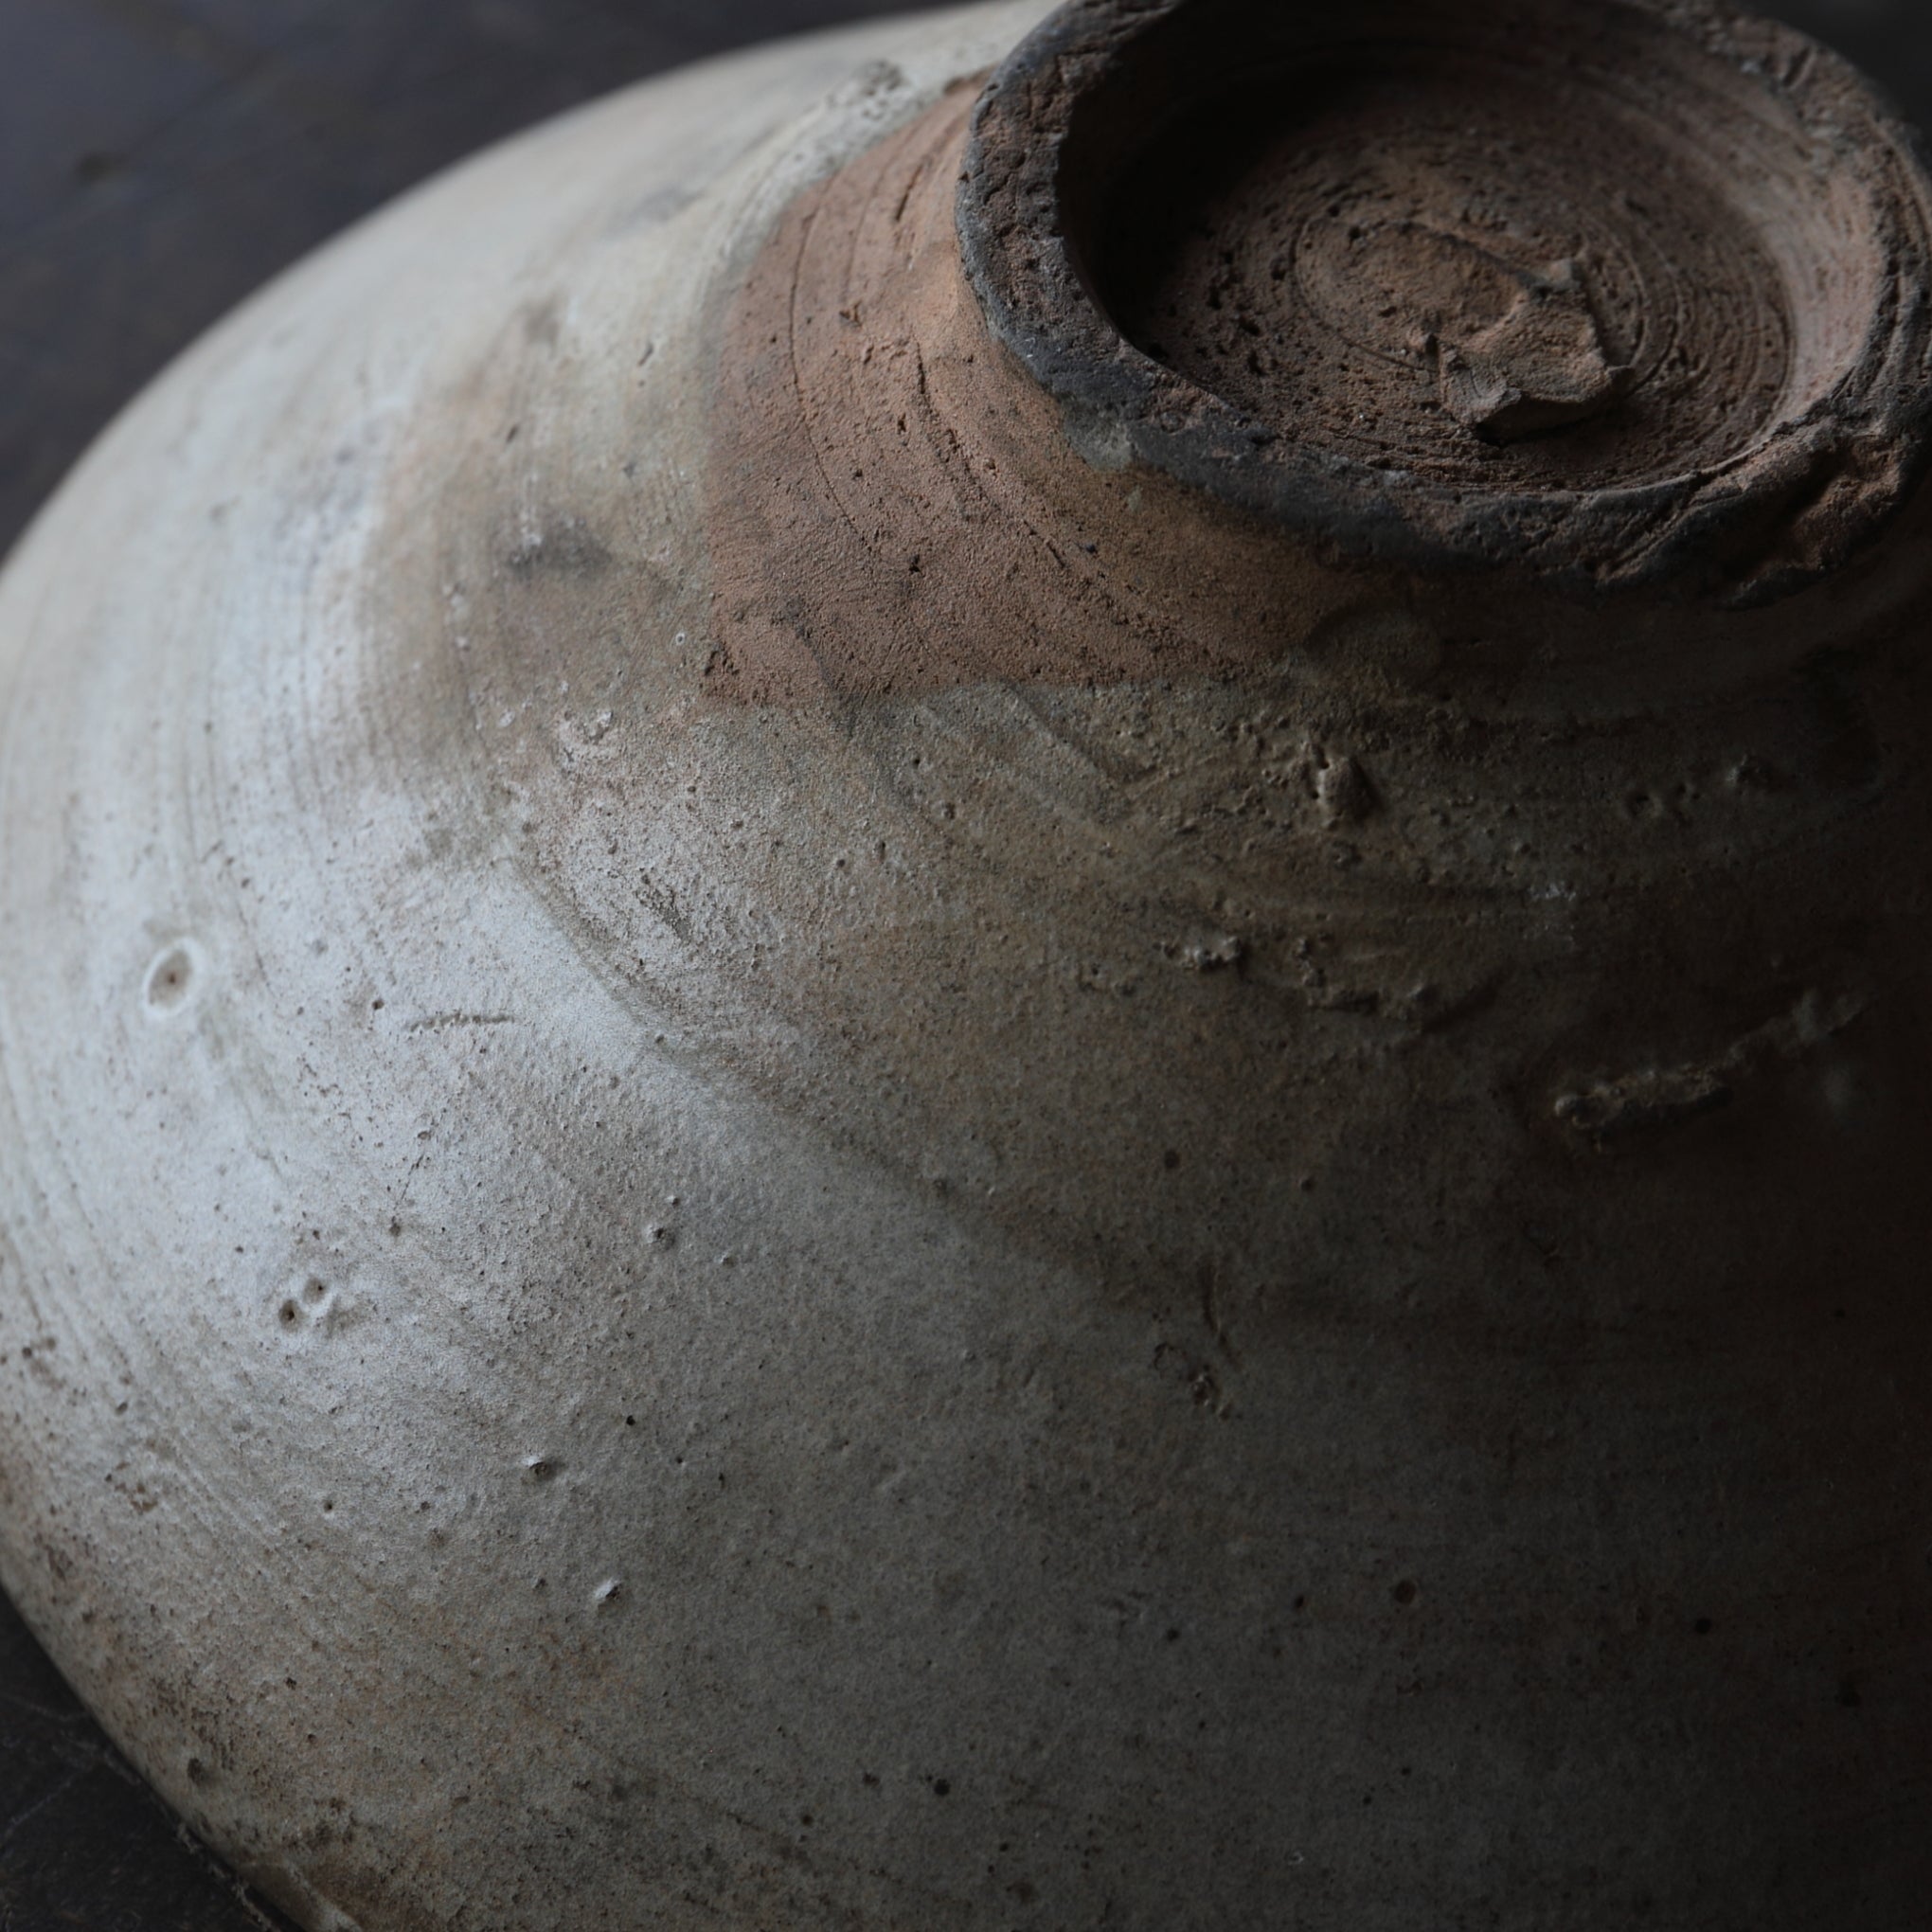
pixel 1434 263
pixel 737 1195
pixel 1627 294
pixel 895 508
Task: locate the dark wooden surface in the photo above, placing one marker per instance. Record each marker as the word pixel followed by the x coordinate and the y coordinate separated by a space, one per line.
pixel 158 160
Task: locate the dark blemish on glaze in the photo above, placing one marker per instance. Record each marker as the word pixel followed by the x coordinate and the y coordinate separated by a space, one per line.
pixel 170 980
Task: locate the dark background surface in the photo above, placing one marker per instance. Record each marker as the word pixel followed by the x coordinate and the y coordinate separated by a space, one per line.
pixel 158 160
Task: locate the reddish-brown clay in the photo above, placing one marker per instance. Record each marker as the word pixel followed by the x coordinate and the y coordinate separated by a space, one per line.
pixel 1614 296
pixel 895 507
pixel 879 1054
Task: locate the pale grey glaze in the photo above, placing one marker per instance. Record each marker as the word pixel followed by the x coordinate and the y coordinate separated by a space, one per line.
pixel 1016 1306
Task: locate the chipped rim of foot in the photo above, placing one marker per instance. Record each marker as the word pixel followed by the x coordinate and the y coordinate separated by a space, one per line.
pixel 1825 182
